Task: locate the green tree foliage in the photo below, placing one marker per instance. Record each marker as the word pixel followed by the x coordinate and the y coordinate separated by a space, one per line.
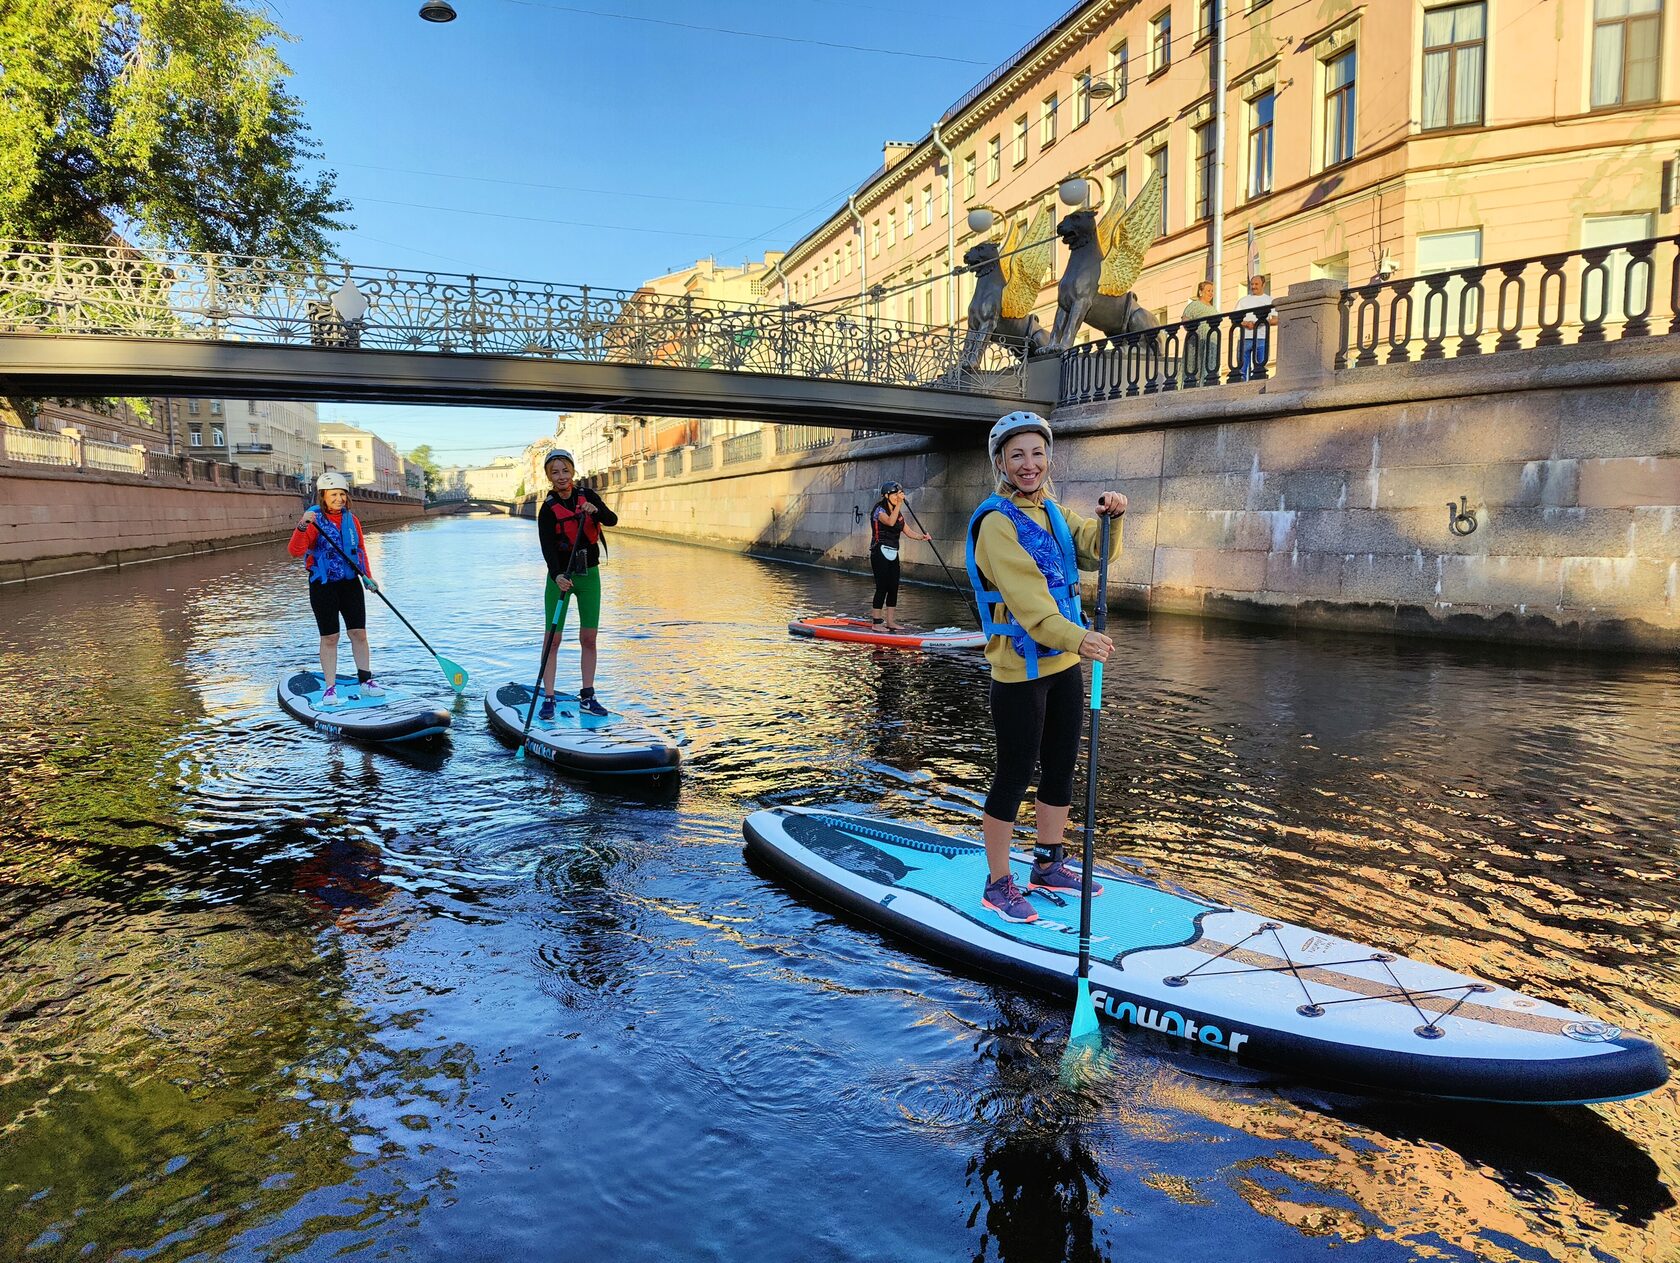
pixel 422 456
pixel 167 118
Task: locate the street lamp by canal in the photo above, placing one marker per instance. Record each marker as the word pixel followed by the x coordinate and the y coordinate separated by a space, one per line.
pixel 437 11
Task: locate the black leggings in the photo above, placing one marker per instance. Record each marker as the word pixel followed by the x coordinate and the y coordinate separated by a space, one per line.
pixel 1037 723
pixel 340 597
pixel 886 578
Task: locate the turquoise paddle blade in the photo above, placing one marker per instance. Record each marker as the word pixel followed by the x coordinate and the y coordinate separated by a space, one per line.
pixel 454 672
pixel 1084 1044
pixel 1084 1015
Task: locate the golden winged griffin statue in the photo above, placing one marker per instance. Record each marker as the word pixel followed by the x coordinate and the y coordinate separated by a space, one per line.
pixel 1105 258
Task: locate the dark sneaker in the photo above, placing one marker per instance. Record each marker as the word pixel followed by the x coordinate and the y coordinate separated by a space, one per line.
pixel 546 710
pixel 592 706
pixel 1060 879
pixel 1004 897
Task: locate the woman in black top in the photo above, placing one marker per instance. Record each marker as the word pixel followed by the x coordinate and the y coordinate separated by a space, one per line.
pixel 886 524
pixel 569 529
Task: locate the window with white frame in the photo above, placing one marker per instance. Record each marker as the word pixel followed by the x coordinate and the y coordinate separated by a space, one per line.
pixel 1626 51
pixel 1260 111
pixel 215 407
pixel 927 205
pixel 1019 152
pixel 968 178
pixel 1118 183
pixel 875 239
pixel 250 407
pixel 1119 71
pixel 1627 291
pixel 1158 163
pixel 892 229
pixel 909 217
pixel 218 436
pixel 195 436
pixel 1448 252
pixel 1454 61
pixel 1340 107
pixel 1204 170
pixel 1047 120
pixel 994 159
pixel 1082 98
pixel 1207 17
pixel 1160 42
pixel 192 407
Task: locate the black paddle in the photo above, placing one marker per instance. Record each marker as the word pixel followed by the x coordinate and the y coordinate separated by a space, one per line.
pixel 1085 1030
pixel 961 587
pixel 453 671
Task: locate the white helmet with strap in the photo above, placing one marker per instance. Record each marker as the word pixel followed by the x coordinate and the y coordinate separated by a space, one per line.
pixel 1017 423
pixel 332 480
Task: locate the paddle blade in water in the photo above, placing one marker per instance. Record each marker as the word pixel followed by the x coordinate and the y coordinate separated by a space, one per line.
pixel 520 756
pixel 1085 1015
pixel 454 672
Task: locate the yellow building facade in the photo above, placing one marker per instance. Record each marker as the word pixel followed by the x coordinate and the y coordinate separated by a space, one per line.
pixel 1391 137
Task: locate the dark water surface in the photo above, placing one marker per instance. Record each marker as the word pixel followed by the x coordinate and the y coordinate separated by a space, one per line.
pixel 264 996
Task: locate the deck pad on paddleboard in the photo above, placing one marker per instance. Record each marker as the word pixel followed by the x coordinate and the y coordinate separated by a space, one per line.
pixel 1232 983
pixel 609 745
pixel 393 717
pixel 860 631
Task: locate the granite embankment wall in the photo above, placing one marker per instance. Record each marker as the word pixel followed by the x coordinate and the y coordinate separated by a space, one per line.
pixel 1318 499
pixel 58 521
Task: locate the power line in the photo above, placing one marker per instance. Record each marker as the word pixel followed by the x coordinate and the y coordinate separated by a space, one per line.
pixel 566 188
pixel 726 30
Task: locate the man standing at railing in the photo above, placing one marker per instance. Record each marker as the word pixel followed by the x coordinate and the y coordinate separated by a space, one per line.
pixel 1256 339
pixel 1201 341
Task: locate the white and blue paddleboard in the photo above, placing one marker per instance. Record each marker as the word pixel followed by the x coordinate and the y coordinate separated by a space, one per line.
pixel 1231 984
pixel 391 717
pixel 591 745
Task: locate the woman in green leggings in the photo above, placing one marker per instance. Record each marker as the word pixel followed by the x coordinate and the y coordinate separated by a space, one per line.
pixel 569 528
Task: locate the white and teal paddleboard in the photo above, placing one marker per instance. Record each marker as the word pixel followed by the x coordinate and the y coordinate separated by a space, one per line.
pixel 593 745
pixel 394 716
pixel 1231 984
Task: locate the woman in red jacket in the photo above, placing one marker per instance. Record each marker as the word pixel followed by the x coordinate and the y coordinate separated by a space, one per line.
pixel 329 539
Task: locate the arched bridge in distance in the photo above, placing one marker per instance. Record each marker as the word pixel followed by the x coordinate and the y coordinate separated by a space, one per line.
pixel 115 320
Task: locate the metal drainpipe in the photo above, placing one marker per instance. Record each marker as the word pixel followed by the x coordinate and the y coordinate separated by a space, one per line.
pixel 863 253
pixel 1216 247
pixel 950 231
pixel 787 290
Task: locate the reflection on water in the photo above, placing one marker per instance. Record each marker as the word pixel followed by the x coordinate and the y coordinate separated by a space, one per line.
pixel 266 996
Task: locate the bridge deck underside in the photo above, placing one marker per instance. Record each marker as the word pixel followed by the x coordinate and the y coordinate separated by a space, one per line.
pixel 89 365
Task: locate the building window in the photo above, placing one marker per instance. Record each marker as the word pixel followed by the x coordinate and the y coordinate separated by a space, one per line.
pixel 1260 145
pixel 1448 252
pixel 1160 42
pixel 195 436
pixel 875 239
pixel 1204 171
pixel 1020 151
pixel 1119 70
pixel 968 178
pixel 1119 183
pixel 892 229
pixel 848 258
pixel 1207 16
pixel 1158 165
pixel 1082 98
pixel 215 407
pixel 1047 121
pixel 251 407
pixel 1454 54
pixel 994 159
pixel 927 206
pixel 218 437
pixel 1627 293
pixel 192 407
pixel 909 217
pixel 1340 74
pixel 1627 51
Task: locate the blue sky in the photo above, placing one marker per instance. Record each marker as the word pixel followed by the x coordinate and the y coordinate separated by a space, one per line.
pixel 544 141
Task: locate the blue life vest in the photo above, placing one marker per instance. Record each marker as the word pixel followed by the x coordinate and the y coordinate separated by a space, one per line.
pixel 325 565
pixel 1052 552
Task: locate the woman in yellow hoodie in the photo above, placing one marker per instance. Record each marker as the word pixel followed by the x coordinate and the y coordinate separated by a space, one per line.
pixel 1024 556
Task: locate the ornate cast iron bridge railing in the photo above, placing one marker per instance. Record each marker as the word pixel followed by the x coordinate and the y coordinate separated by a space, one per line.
pixel 1183 356
pixel 1597 294
pixel 124 291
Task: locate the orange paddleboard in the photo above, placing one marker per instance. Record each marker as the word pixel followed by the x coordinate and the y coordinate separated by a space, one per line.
pixel 860 631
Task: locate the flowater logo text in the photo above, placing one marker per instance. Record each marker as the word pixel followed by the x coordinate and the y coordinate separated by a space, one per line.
pixel 1168 1022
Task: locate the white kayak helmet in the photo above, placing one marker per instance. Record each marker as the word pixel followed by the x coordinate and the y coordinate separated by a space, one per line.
pixel 558 453
pixel 332 480
pixel 1017 423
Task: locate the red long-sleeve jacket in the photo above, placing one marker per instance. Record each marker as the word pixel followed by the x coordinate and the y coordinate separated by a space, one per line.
pixel 304 537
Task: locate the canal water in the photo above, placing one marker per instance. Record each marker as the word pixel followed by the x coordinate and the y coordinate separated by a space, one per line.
pixel 264 996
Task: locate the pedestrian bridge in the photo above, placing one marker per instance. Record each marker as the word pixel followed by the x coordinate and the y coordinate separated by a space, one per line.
pixel 114 320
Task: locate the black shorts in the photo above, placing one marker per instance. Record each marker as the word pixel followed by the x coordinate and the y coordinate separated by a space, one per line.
pixel 341 597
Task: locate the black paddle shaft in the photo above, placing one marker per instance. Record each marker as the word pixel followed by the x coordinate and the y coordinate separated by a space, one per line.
pixel 953 578
pixel 333 544
pixel 548 639
pixel 1100 621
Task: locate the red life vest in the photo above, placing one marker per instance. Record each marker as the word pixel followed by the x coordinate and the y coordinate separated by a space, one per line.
pixel 570 521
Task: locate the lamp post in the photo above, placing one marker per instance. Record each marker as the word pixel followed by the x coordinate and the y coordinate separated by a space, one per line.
pixel 437 11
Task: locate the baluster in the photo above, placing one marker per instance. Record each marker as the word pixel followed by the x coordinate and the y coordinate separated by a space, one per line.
pixel 1511 322
pixel 1111 376
pixel 1369 332
pixel 1172 357
pixel 1239 334
pixel 1344 306
pixel 1639 272
pixel 1400 335
pixel 1555 279
pixel 1132 361
pixel 1592 326
pixel 1472 296
pixel 1260 358
pixel 1435 304
pixel 1674 289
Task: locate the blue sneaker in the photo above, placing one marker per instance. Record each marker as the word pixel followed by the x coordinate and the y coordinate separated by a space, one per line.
pixel 1058 878
pixel 1004 897
pixel 592 706
pixel 546 710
